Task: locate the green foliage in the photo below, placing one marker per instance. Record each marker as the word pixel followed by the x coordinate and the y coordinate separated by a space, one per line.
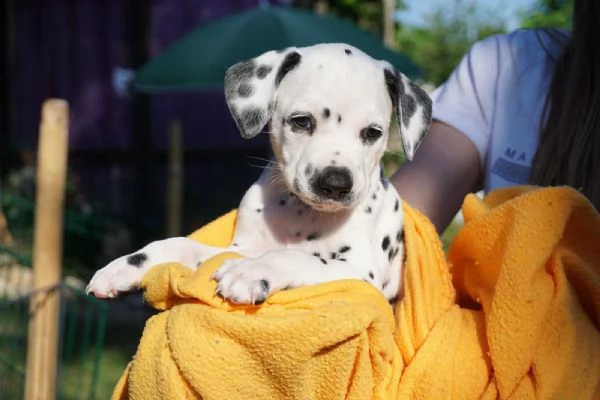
pixel 368 14
pixel 449 32
pixel 84 228
pixel 549 14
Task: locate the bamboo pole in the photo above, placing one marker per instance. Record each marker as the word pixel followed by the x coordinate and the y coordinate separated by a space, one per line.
pixel 175 180
pixel 5 236
pixel 42 357
pixel 388 8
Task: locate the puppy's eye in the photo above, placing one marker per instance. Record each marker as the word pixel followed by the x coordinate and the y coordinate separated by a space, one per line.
pixel 370 134
pixel 302 122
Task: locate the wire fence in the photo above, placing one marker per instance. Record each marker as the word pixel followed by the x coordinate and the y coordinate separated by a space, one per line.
pixel 82 326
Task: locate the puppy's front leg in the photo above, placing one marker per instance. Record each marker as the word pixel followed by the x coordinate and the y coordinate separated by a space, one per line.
pixel 252 280
pixel 125 274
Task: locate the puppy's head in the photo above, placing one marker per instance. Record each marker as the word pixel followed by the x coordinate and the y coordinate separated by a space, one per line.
pixel 329 108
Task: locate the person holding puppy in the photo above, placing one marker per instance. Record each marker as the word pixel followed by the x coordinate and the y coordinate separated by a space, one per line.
pixel 520 108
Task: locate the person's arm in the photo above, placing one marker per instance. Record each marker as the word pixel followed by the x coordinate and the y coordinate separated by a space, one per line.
pixel 444 169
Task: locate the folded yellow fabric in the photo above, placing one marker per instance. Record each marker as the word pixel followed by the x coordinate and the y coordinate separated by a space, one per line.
pixel 531 258
pixel 526 269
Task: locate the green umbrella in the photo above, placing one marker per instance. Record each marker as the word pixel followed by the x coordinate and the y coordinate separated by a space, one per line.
pixel 199 60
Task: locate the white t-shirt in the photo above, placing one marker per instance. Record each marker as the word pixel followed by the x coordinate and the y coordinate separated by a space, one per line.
pixel 496 97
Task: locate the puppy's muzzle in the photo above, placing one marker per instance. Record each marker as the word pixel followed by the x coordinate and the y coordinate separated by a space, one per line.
pixel 333 183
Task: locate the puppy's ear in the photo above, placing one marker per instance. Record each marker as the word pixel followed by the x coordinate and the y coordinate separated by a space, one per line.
pixel 250 88
pixel 412 106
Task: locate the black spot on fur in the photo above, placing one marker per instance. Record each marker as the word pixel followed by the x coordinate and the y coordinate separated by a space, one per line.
pixel 385 183
pixel 384 285
pixel 393 252
pixel 409 107
pixel 326 113
pixel 137 259
pixel 245 90
pixel 259 210
pixel 291 61
pixel 385 243
pixel 393 84
pixel 308 170
pixel 282 202
pixel 393 300
pixel 241 72
pixel 263 71
pixel 235 76
pixel 421 95
pixel 399 236
pixel 333 162
pixel 339 118
pixel 313 236
pixel 423 99
pixel 371 275
pixel 396 205
pixel 348 51
pixel 316 254
pixel 333 255
pixel 251 117
pixel 374 196
pixel 344 249
pixel 324 261
pixel 264 286
pixel 341 259
pixel 368 210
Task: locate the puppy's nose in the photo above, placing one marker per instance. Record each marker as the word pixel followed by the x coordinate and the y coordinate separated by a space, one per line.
pixel 334 183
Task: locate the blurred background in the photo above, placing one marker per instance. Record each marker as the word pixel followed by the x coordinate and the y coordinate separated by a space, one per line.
pixel 152 150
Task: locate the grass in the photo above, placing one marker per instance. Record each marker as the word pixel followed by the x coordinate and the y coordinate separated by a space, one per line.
pixel 75 377
pixel 449 234
pixel 75 381
pixel 78 356
pixel 120 345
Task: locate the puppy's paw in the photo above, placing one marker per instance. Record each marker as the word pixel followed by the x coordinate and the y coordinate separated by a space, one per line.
pixel 122 275
pixel 248 281
pixel 125 274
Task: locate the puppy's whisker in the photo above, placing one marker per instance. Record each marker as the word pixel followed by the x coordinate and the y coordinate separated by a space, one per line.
pixel 270 161
pixel 263 166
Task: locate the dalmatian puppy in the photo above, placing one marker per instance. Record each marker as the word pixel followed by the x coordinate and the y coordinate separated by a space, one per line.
pixel 321 211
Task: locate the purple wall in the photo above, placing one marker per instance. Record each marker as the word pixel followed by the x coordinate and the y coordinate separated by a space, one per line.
pixel 69 49
pixel 66 49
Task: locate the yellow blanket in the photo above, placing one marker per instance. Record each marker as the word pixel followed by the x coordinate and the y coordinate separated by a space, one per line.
pixel 526 271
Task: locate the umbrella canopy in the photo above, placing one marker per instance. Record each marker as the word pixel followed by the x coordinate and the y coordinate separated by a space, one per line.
pixel 199 60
